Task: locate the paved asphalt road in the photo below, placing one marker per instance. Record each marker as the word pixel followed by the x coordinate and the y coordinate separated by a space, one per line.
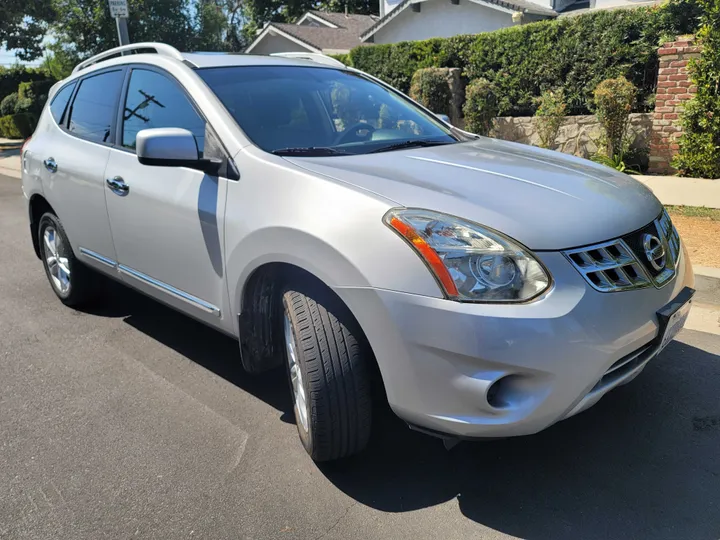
pixel 132 421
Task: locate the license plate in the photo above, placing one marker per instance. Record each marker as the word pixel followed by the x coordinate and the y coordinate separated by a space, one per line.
pixel 674 316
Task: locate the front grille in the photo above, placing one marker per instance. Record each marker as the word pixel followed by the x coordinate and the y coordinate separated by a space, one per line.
pixel 609 267
pixel 622 264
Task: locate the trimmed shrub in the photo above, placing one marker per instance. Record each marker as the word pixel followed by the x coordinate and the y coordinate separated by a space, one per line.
pixel 700 143
pixel 32 95
pixel 430 88
pixel 17 126
pixel 8 104
pixel 344 58
pixel 8 128
pixel 570 53
pixel 25 123
pixel 550 114
pixel 10 78
pixel 481 106
pixel 614 99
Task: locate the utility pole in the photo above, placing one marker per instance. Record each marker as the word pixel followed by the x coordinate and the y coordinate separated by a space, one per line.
pixel 119 10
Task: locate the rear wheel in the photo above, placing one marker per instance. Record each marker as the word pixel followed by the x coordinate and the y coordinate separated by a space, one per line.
pixel 72 282
pixel 329 374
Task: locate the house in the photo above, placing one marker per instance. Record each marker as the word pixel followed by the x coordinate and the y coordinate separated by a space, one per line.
pixel 409 20
pixel 316 31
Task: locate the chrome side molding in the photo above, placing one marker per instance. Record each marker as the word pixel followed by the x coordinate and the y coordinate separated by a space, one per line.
pixel 169 289
pixel 97 257
pixel 199 303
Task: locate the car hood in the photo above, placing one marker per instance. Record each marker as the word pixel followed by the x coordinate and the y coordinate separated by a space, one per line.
pixel 546 200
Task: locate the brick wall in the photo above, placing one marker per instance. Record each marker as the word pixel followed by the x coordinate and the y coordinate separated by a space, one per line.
pixel 674 89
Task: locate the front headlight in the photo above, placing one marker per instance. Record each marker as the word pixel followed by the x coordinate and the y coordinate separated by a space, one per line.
pixel 471 263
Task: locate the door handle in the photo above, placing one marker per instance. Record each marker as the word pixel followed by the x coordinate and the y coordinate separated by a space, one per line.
pixel 118 186
pixel 50 164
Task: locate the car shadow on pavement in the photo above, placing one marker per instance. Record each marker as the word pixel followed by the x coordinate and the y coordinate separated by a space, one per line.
pixel 644 462
pixel 203 345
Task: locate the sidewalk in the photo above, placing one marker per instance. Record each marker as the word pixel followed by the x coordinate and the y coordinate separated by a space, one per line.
pixel 10 157
pixel 683 191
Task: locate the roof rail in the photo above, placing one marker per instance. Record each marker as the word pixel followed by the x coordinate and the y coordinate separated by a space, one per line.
pixel 314 57
pixel 160 48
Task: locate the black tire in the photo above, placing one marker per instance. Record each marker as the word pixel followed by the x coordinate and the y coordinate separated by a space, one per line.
pixel 334 363
pixel 81 279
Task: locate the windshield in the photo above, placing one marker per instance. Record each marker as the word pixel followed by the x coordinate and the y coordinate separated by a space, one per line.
pixel 295 110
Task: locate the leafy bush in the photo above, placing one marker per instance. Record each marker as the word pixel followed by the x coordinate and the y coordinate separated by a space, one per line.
pixel 344 58
pixel 8 104
pixel 570 53
pixel 10 78
pixel 32 95
pixel 700 143
pixel 614 99
pixel 25 124
pixel 17 126
pixel 550 114
pixel 430 87
pixel 481 106
pixel 8 128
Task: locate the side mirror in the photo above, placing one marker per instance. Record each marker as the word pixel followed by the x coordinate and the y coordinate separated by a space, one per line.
pixel 444 117
pixel 172 147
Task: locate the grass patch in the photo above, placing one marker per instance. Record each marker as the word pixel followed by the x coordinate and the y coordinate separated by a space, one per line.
pixel 694 211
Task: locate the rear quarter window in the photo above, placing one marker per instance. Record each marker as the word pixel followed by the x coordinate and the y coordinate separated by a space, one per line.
pixel 93 110
pixel 60 101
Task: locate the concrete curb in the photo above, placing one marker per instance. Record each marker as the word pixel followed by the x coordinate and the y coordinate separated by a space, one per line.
pixel 707 271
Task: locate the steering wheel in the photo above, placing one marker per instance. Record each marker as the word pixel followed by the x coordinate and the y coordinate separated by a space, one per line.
pixel 354 131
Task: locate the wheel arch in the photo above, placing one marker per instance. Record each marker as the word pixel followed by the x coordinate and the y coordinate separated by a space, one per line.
pixel 260 316
pixel 37 206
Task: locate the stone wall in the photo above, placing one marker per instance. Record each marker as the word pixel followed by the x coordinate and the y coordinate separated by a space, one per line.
pixel 674 89
pixel 578 135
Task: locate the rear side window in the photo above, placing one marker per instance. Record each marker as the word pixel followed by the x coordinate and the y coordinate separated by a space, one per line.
pixel 93 109
pixel 60 101
pixel 155 101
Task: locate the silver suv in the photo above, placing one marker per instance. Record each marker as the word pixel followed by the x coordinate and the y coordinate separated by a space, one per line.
pixel 330 223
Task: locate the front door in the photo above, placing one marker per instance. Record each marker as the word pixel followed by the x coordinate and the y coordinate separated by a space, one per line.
pixel 166 221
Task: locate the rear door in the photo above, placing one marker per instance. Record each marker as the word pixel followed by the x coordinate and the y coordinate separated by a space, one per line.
pixel 74 164
pixel 167 221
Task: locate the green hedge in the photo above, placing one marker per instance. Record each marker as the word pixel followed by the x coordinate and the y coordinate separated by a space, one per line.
pixel 430 88
pixel 17 126
pixel 700 143
pixel 573 54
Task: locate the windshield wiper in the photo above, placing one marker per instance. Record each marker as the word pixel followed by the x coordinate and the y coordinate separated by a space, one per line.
pixel 309 151
pixel 413 143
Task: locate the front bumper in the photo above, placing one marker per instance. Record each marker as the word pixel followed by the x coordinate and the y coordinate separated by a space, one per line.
pixel 440 359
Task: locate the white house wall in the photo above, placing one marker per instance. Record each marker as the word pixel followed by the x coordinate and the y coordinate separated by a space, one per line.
pixel 274 44
pixel 440 18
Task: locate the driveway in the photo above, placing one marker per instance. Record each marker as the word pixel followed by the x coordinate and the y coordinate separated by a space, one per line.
pixel 132 421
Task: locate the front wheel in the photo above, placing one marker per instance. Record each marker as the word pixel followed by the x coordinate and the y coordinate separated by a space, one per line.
pixel 327 365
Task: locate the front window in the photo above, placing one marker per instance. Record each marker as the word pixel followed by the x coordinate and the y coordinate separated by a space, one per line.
pixel 289 110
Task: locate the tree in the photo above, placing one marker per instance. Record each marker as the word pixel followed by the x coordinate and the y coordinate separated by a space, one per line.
pixel 23 25
pixel 84 27
pixel 218 25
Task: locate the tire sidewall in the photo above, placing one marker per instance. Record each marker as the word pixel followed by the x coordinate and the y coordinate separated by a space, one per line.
pixel 46 221
pixel 306 437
